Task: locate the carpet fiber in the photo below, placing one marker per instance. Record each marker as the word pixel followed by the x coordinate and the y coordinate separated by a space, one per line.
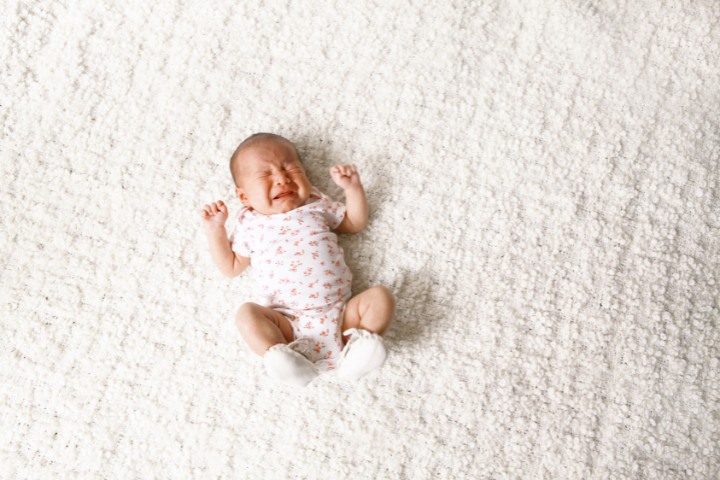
pixel 545 205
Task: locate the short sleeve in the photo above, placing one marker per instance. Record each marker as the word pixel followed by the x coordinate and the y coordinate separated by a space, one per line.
pixel 333 211
pixel 239 239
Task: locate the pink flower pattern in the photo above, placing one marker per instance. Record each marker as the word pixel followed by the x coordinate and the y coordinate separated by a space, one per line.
pixel 301 269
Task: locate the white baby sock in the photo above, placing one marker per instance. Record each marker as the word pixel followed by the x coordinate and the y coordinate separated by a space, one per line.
pixel 364 352
pixel 285 364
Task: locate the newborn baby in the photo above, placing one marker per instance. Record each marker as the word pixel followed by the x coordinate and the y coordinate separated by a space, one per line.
pixel 287 232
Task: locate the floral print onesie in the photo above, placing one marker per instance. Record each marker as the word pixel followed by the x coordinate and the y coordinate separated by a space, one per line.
pixel 301 270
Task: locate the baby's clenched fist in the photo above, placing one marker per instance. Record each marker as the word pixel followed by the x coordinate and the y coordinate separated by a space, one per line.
pixel 215 214
pixel 345 176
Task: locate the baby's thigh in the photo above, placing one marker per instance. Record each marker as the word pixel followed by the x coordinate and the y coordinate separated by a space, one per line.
pixel 371 309
pixel 252 313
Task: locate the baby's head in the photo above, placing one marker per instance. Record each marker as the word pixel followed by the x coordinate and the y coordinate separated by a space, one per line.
pixel 268 174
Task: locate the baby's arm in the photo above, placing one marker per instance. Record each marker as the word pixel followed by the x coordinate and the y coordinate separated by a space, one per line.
pixel 230 263
pixel 356 215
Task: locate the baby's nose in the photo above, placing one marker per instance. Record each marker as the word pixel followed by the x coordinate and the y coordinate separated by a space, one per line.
pixel 282 178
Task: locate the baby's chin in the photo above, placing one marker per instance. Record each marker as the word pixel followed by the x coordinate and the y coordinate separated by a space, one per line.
pixel 285 210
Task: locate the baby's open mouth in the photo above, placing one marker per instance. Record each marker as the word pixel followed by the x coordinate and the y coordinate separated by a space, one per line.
pixel 284 194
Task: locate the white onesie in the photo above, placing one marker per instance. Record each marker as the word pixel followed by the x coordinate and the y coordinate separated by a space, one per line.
pixel 301 270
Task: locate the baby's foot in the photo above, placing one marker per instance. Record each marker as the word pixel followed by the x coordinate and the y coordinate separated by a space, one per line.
pixel 285 364
pixel 364 352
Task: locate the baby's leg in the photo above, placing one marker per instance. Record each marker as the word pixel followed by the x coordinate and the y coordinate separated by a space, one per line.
pixel 371 310
pixel 366 317
pixel 262 327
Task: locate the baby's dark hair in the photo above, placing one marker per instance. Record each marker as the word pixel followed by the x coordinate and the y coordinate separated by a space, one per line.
pixel 249 141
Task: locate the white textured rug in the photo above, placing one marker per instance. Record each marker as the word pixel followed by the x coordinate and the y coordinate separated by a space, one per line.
pixel 545 202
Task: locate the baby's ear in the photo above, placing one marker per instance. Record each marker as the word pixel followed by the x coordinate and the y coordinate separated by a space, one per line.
pixel 241 195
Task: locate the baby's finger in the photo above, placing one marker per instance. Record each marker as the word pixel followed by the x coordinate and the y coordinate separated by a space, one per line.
pixel 222 207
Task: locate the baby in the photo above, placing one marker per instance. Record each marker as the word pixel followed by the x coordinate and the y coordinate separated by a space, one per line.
pixel 287 231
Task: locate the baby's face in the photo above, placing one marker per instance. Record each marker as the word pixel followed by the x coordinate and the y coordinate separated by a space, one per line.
pixel 271 178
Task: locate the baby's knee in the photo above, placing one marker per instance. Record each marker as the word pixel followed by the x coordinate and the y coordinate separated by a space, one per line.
pixel 384 295
pixel 245 315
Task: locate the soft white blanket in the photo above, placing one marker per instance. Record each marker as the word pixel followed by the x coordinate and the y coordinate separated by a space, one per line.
pixel 543 178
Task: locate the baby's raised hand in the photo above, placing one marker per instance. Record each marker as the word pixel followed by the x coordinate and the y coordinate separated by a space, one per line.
pixel 345 176
pixel 215 214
